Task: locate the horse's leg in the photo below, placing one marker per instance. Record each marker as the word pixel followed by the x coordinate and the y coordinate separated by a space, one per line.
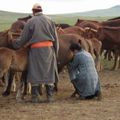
pixel 23 82
pixel 106 54
pixel 97 60
pixel 109 55
pixel 14 85
pixel 115 60
pixel 29 88
pixel 24 79
pixel 9 80
pixel 19 95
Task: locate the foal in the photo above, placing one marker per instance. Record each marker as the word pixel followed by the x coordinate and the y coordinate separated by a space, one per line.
pixel 15 60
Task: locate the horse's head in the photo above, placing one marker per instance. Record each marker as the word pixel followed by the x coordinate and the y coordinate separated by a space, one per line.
pixel 65 54
pixel 17 26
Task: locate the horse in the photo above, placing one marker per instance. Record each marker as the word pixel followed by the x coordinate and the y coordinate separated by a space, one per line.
pixel 87 23
pixel 11 59
pixel 74 32
pixel 18 25
pixel 91 45
pixel 16 60
pixel 113 18
pixel 15 30
pixel 90 35
pixel 4 42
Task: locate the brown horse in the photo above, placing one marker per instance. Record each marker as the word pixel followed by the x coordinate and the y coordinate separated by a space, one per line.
pixel 70 30
pixel 65 42
pixel 15 30
pixel 91 45
pixel 4 42
pixel 74 32
pixel 16 60
pixel 87 23
pixel 111 23
pixel 90 34
pixel 17 26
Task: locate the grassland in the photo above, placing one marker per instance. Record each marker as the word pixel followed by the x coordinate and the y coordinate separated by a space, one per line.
pixel 7 18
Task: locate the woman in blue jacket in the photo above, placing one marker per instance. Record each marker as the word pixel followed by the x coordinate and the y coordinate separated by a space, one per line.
pixel 83 74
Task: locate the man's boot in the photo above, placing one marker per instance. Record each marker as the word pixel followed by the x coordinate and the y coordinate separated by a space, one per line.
pixel 49 91
pixel 35 94
pixel 40 89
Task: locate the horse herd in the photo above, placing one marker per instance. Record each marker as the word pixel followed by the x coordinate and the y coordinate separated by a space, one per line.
pixel 94 37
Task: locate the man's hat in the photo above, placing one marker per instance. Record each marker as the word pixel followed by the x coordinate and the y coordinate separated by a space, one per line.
pixel 36 7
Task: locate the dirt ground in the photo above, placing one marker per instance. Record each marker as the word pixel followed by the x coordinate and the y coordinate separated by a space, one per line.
pixel 65 108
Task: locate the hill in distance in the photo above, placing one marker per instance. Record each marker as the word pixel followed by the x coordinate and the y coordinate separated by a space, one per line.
pixel 113 11
pixel 7 18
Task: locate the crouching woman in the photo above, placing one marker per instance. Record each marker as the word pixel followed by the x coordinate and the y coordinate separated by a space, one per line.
pixel 83 74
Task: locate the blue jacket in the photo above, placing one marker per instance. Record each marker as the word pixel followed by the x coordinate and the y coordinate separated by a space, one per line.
pixel 83 69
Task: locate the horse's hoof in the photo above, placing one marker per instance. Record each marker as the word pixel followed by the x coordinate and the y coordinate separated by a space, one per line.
pixel 5 94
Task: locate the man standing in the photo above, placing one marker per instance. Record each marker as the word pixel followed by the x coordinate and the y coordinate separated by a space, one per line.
pixel 40 33
pixel 83 74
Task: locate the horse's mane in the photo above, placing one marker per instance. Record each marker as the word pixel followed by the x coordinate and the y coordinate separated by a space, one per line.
pixel 25 18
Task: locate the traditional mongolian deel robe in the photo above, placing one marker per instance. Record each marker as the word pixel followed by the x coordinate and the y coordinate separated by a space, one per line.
pixel 82 70
pixel 42 67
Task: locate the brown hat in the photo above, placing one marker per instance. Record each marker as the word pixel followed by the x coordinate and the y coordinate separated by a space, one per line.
pixel 36 7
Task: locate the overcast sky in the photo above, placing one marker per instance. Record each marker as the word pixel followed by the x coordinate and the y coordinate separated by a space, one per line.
pixel 57 6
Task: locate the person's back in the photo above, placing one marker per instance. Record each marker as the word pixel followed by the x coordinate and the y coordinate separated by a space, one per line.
pixel 86 63
pixel 42 27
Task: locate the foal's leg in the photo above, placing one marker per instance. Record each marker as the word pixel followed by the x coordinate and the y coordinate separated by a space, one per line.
pixel 20 92
pixel 9 80
pixel 19 95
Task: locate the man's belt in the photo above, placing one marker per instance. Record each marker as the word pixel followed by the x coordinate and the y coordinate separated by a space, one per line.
pixel 42 44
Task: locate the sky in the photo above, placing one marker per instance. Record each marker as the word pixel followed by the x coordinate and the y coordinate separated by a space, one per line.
pixel 57 6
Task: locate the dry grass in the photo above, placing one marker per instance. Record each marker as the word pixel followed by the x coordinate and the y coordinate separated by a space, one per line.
pixel 65 108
